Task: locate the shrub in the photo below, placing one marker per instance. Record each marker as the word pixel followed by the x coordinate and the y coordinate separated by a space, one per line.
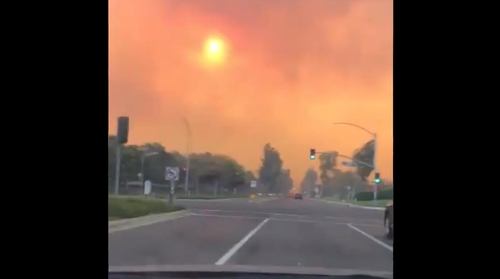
pixel 386 194
pixel 135 207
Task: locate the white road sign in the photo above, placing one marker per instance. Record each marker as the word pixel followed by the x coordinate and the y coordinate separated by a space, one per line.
pixel 253 184
pixel 349 164
pixel 147 187
pixel 172 174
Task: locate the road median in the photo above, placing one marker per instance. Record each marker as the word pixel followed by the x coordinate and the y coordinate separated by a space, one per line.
pixel 125 213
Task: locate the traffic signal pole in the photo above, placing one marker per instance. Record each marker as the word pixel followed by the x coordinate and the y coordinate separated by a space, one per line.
pixel 375 169
pixel 350 158
pixel 375 185
pixel 373 165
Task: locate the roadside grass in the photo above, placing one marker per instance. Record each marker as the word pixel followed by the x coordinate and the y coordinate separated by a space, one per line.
pixel 128 207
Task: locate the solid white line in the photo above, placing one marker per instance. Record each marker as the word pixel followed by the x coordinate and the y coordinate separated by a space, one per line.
pixel 226 216
pixel 355 219
pixel 367 225
pixel 371 237
pixel 252 212
pixel 276 219
pixel 238 245
pixel 251 217
pixel 292 220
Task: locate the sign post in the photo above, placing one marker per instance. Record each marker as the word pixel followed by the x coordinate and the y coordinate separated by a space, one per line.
pixel 253 184
pixel 147 188
pixel 172 175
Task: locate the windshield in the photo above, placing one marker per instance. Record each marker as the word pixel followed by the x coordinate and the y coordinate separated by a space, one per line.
pixel 251 133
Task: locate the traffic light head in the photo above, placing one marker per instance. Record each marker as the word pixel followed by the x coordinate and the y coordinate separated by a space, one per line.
pixel 377 178
pixel 312 155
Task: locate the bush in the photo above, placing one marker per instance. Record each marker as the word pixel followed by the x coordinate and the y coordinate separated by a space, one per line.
pixel 386 194
pixel 135 207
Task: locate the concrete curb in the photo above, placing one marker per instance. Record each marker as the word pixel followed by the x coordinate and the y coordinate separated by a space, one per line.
pixel 355 206
pixel 126 224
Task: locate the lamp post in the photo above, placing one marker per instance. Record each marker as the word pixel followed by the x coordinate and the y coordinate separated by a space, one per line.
pixel 188 159
pixel 374 135
pixel 143 157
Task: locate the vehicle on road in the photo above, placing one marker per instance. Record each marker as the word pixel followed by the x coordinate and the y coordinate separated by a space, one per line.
pixel 389 220
pixel 298 196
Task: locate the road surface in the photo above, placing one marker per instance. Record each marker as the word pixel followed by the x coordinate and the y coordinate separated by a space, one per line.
pixel 266 231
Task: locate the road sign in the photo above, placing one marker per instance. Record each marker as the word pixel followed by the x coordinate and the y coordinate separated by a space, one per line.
pixel 253 184
pixel 349 164
pixel 172 174
pixel 147 187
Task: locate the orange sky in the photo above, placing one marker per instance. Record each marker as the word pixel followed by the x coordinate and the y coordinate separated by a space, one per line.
pixel 293 68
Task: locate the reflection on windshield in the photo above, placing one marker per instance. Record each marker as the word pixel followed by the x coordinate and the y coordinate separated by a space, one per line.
pixel 250 135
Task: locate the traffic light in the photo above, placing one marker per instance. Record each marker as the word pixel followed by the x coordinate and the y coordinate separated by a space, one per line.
pixel 122 133
pixel 377 178
pixel 313 154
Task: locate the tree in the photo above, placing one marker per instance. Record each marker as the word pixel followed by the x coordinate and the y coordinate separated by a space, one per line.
pixel 155 166
pixel 284 182
pixel 327 164
pixel 249 176
pixel 208 172
pixel 271 167
pixel 308 183
pixel 364 154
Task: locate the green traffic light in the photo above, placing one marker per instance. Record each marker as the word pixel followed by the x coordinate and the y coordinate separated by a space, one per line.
pixel 377 180
pixel 313 157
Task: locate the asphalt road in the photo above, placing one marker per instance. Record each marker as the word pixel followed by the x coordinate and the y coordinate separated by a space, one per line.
pixel 270 232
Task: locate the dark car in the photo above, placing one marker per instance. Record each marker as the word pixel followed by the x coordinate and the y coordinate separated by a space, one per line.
pixel 389 220
pixel 298 196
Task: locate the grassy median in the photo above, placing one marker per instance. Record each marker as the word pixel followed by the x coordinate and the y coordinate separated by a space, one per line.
pixel 120 208
pixel 208 197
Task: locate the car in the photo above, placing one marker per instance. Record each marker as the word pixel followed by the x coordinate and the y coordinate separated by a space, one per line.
pixel 298 196
pixel 389 220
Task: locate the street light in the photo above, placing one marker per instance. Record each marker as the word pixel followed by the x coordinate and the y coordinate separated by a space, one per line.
pixel 143 157
pixel 188 159
pixel 374 135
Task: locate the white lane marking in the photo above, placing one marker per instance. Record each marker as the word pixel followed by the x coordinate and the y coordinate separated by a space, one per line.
pixel 143 224
pixel 250 217
pixel 238 245
pixel 281 219
pixel 368 225
pixel 357 219
pixel 371 237
pixel 226 216
pixel 261 218
pixel 252 212
pixel 292 220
